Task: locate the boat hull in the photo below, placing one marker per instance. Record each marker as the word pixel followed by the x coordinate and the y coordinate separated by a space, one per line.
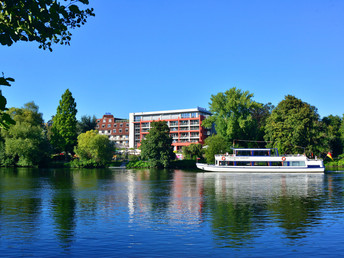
pixel 259 169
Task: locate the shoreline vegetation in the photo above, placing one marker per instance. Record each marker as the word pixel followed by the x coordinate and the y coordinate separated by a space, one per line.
pixel 236 120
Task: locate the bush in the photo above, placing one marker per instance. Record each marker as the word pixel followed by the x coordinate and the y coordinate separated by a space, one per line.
pixel 133 158
pixel 138 164
pixel 184 164
pixel 341 163
pixel 85 164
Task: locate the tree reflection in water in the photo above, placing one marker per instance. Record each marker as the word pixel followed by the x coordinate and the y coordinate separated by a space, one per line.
pixel 241 203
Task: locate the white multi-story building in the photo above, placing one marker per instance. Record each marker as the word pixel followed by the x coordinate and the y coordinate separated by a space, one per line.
pixel 185 126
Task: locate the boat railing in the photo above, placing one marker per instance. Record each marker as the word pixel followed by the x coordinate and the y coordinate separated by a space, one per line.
pixel 284 155
pixel 226 155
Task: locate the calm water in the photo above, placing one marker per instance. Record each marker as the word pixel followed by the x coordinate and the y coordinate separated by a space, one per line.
pixel 149 213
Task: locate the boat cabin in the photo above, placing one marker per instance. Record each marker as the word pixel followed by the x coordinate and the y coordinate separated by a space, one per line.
pixel 255 152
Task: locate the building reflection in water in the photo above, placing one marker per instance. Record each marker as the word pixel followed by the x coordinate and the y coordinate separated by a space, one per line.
pixel 239 207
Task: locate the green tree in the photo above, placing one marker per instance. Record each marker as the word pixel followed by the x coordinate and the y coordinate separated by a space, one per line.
pixel 192 151
pixel 333 134
pixel 260 114
pixel 215 144
pixel 232 115
pixel 5 119
pixel 93 147
pixel 46 22
pixel 294 126
pixel 341 131
pixel 64 127
pixel 25 143
pixel 157 147
pixel 86 123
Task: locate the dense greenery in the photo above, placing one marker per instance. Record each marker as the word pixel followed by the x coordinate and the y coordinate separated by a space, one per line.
pixel 232 115
pixel 215 144
pixel 5 119
pixel 157 148
pixel 64 127
pixel 93 149
pixel 333 134
pixel 294 127
pixel 25 143
pixel 193 151
pixel 86 123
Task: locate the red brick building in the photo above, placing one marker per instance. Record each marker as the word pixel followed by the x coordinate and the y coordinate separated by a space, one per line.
pixel 116 128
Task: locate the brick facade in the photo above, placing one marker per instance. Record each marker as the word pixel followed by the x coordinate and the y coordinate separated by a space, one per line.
pixel 116 128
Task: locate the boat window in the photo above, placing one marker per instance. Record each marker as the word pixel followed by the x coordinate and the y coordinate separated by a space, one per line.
pixel 278 164
pixel 297 163
pixel 261 163
pixel 261 153
pixel 243 163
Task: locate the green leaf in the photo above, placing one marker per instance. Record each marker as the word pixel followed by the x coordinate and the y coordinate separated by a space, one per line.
pixel 74 8
pixel 4 81
pixel 3 102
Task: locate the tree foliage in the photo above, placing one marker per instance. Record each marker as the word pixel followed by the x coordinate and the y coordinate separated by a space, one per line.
pixel 232 115
pixel 46 22
pixel 94 147
pixel 215 144
pixel 294 127
pixel 64 127
pixel 25 143
pixel 5 119
pixel 86 123
pixel 333 134
pixel 157 148
pixel 192 151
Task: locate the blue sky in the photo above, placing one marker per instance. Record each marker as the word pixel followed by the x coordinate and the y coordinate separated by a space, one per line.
pixel 160 54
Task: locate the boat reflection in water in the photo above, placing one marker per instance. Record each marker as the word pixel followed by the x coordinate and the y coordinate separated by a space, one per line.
pixel 245 206
pixel 262 186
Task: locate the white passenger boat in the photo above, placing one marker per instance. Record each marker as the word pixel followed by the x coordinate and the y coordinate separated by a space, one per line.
pixel 263 161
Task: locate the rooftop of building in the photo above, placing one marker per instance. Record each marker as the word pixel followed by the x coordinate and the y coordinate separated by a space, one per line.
pixel 116 119
pixel 177 111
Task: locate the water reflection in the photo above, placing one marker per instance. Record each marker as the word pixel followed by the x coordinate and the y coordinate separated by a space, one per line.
pixel 63 206
pixel 68 209
pixel 19 201
pixel 242 205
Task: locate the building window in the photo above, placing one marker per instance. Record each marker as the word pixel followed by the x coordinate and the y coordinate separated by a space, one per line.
pixel 98 121
pixel 126 130
pixel 121 125
pixel 109 125
pixel 126 124
pixel 185 115
pixel 120 130
pixel 110 120
pixel 114 130
pixel 115 125
pixel 103 126
pixel 104 120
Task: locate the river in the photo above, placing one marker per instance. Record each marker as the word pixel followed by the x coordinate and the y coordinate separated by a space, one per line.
pixel 169 213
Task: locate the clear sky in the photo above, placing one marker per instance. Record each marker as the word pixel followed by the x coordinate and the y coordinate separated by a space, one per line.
pixel 157 55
